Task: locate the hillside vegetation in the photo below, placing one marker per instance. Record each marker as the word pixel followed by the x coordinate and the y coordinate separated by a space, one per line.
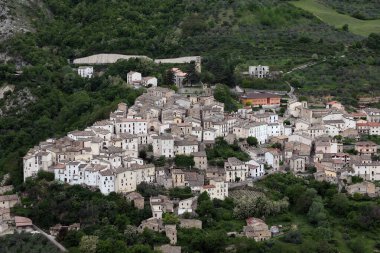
pixel 315 218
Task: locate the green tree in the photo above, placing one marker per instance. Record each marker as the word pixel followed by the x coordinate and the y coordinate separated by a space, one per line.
pixel 139 248
pixel 223 94
pixel 304 202
pixel 168 77
pixel 193 77
pixel 142 154
pixel 359 245
pixel 109 245
pixel 160 162
pixel 26 242
pixel 48 176
pixel 373 41
pixel 88 244
pixel 340 204
pixel 252 141
pixel 169 218
pixel 356 179
pixel 184 161
pixel 293 237
pixel 148 190
pixel 131 234
pixel 317 213
pixel 180 192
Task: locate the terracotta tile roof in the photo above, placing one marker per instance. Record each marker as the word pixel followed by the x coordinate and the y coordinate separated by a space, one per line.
pixel 208 186
pixel 9 197
pixel 256 95
pixel 23 221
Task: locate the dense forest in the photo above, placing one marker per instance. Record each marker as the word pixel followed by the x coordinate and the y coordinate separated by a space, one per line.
pixel 50 99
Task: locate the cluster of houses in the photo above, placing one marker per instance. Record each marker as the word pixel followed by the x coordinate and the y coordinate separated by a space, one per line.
pixel 162 123
pixel 8 223
pixel 161 205
pixel 166 124
pixel 134 78
pixel 137 80
pixel 317 131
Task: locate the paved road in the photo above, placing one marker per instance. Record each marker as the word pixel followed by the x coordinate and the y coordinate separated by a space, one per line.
pixel 291 92
pixel 306 65
pixel 51 239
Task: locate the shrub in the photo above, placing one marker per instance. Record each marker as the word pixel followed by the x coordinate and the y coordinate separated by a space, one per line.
pixel 294 237
pixel 184 161
pixel 252 141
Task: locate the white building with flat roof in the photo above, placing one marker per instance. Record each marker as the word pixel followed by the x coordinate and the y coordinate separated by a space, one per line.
pixel 258 71
pixel 133 77
pixel 131 126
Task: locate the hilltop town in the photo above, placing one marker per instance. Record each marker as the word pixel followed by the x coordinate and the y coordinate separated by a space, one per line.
pixel 171 140
pixel 115 155
pixel 190 126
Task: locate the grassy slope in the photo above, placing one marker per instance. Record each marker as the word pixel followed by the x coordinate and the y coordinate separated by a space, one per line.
pixel 336 19
pixel 361 9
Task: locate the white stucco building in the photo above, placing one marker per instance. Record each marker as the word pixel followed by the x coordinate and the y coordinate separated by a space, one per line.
pixel 236 170
pixel 106 181
pixel 86 71
pixel 131 126
pixel 36 161
pixel 273 158
pixel 255 169
pixel 163 145
pixel 367 171
pixel 133 77
pixel 258 71
pixel 217 189
pixel 149 81
pixel 258 130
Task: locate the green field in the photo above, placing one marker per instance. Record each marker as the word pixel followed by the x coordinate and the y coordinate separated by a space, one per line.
pixel 331 17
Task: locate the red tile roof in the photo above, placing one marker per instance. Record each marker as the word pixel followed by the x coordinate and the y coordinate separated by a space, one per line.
pixel 23 221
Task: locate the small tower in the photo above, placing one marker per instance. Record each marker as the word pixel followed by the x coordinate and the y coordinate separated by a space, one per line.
pixel 171 233
pixel 122 107
pixel 198 64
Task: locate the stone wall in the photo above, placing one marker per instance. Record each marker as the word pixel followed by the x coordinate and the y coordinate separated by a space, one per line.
pixel 190 223
pixel 4 189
